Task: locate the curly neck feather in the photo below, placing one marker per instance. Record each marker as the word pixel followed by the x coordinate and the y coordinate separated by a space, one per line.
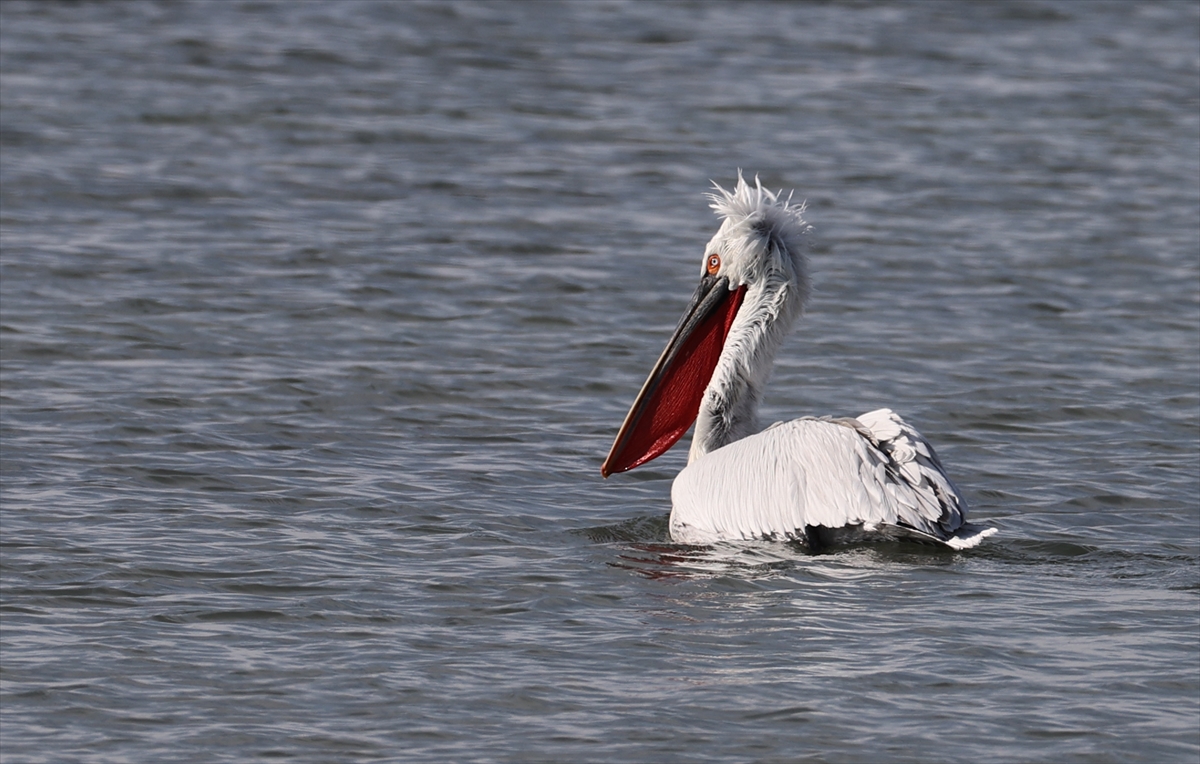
pixel 729 408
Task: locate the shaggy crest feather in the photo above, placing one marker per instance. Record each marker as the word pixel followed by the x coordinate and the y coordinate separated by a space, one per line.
pixel 760 207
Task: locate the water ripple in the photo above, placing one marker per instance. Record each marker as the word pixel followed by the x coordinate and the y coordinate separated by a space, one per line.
pixel 316 320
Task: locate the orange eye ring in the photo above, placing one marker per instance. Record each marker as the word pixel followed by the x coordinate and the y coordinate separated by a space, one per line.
pixel 714 264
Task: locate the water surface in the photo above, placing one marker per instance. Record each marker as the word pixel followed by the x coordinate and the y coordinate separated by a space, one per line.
pixel 317 319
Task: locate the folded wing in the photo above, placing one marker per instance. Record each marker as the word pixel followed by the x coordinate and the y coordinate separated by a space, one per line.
pixel 874 472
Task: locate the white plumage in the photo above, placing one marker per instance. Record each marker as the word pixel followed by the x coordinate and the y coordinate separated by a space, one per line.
pixel 817 481
pixel 873 474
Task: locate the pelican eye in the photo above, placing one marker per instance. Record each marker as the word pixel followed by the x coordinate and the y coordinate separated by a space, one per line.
pixel 714 264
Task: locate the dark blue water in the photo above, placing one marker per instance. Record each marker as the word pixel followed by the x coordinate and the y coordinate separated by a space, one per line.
pixel 317 319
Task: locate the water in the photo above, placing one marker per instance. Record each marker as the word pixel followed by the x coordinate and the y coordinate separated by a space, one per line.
pixel 317 320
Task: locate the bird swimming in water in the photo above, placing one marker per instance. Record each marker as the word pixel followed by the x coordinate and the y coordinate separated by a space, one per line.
pixel 817 481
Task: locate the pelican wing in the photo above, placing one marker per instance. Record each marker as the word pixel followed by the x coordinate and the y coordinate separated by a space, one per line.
pixel 874 472
pixel 923 491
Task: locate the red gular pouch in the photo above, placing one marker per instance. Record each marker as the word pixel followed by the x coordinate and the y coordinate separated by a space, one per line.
pixel 670 399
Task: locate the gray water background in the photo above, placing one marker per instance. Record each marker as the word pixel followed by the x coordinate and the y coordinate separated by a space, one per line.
pixel 317 319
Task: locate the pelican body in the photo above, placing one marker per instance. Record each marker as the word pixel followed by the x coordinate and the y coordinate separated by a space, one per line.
pixel 812 480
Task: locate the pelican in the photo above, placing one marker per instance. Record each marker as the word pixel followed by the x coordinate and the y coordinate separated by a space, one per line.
pixel 816 481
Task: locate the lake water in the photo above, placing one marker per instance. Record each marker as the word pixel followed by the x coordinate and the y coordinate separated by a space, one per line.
pixel 317 320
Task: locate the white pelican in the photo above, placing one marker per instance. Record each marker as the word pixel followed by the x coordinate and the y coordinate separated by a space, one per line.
pixel 816 481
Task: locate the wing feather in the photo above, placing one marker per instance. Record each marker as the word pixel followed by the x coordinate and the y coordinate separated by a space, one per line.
pixel 935 498
pixel 872 471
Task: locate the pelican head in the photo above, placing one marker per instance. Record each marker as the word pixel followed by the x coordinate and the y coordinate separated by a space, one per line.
pixel 753 286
